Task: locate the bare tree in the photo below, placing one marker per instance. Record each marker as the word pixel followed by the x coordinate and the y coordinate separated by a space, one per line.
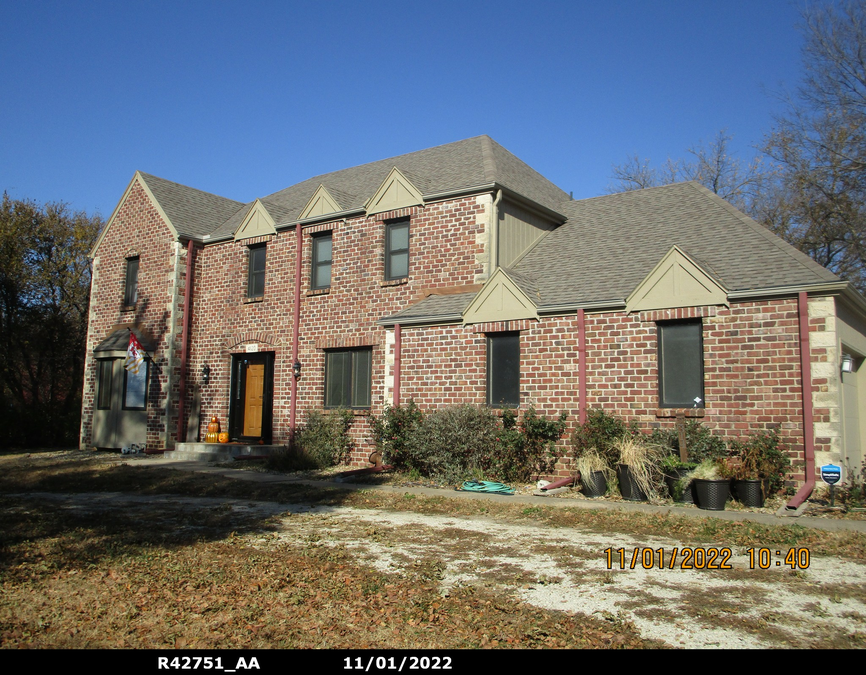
pixel 819 144
pixel 712 165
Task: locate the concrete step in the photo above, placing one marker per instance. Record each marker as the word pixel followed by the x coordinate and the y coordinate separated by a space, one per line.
pixel 219 452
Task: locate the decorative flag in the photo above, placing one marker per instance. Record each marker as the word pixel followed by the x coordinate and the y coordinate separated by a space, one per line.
pixel 134 354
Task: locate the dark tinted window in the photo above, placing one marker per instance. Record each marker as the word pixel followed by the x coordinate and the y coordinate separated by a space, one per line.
pixel 131 293
pixel 503 369
pixel 681 365
pixel 256 280
pixel 348 378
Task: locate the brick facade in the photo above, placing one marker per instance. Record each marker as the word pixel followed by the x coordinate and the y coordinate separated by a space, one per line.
pixel 750 349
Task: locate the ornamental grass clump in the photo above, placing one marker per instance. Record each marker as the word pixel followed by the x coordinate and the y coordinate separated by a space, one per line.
pixel 644 461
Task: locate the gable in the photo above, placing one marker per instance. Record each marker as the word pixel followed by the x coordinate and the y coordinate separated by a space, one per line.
pixel 321 204
pixel 395 192
pixel 256 223
pixel 137 180
pixel 676 281
pixel 499 300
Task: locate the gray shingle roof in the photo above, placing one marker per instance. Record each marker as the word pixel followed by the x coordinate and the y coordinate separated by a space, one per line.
pixel 439 307
pixel 192 212
pixel 609 244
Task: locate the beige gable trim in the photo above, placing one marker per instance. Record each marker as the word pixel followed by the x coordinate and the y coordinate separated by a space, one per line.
pixel 257 223
pixel 500 299
pixel 321 204
pixel 677 281
pixel 396 192
pixel 137 178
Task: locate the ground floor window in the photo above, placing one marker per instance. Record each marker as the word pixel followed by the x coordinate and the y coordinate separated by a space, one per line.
pixel 503 369
pixel 348 378
pixel 681 365
pixel 103 383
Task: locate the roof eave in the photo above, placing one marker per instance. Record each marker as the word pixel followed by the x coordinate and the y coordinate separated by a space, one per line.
pixel 432 320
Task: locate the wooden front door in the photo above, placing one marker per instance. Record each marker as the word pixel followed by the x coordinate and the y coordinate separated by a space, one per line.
pixel 254 399
pixel 251 397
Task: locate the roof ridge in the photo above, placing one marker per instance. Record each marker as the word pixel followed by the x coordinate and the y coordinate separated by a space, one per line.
pixel 488 161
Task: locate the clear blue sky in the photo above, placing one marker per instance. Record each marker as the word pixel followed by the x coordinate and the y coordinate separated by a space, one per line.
pixel 245 98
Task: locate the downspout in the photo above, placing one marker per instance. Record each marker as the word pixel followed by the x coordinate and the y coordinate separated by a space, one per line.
pixel 296 327
pixel 184 345
pixel 808 424
pixel 397 349
pixel 581 368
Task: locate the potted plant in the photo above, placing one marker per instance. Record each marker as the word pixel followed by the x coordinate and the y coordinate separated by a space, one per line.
pixel 594 473
pixel 638 468
pixel 759 466
pixel 711 484
pixel 674 470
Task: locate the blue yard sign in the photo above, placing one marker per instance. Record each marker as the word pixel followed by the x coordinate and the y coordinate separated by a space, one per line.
pixel 831 474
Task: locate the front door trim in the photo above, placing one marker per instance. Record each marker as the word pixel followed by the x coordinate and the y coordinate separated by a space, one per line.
pixel 240 364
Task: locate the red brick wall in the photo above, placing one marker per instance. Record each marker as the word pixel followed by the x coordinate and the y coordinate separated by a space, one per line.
pixel 137 229
pixel 751 358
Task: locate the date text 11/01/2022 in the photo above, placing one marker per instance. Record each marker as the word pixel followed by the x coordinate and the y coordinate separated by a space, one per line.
pixel 703 558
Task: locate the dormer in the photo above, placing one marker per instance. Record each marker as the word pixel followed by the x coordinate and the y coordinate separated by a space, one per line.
pixel 321 204
pixel 676 281
pixel 500 299
pixel 395 192
pixel 257 223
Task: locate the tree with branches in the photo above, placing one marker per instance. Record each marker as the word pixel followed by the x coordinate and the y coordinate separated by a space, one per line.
pixel 44 302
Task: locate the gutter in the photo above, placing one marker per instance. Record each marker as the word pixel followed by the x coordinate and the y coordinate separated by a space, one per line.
pixel 184 345
pixel 296 327
pixel 797 503
pixel 581 367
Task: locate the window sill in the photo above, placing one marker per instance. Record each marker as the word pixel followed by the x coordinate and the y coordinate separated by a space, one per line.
pixel 248 301
pixel 127 308
pixel 394 282
pixel 318 291
pixel 676 412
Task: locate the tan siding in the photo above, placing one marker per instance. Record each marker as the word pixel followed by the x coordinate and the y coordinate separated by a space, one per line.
pixel 519 229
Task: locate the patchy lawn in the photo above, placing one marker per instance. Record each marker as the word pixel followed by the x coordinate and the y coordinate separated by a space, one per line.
pixel 115 555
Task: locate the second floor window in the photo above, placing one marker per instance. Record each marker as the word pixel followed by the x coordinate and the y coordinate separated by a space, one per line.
pixel 322 258
pixel 397 249
pixel 256 277
pixel 130 294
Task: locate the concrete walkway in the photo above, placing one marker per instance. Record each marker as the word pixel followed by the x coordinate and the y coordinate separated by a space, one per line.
pixel 828 524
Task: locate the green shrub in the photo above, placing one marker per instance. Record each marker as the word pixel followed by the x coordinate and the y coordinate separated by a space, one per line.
pixel 450 443
pixel 390 432
pixel 324 437
pixel 291 459
pixel 602 432
pixel 701 443
pixel 762 456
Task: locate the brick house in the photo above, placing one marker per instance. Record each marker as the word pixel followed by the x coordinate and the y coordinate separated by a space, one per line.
pixel 458 274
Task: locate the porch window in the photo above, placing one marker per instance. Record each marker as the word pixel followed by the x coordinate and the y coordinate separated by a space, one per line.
pixel 348 378
pixel 256 278
pixel 135 388
pixel 681 365
pixel 130 294
pixel 103 383
pixel 503 369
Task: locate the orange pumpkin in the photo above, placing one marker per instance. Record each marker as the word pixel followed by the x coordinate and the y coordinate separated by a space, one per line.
pixel 224 437
pixel 213 431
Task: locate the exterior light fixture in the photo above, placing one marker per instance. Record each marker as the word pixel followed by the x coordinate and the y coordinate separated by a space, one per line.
pixel 296 368
pixel 847 363
pixel 205 374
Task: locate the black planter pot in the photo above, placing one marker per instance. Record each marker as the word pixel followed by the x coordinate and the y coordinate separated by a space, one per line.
pixel 594 485
pixel 672 477
pixel 628 488
pixel 749 492
pixel 711 494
